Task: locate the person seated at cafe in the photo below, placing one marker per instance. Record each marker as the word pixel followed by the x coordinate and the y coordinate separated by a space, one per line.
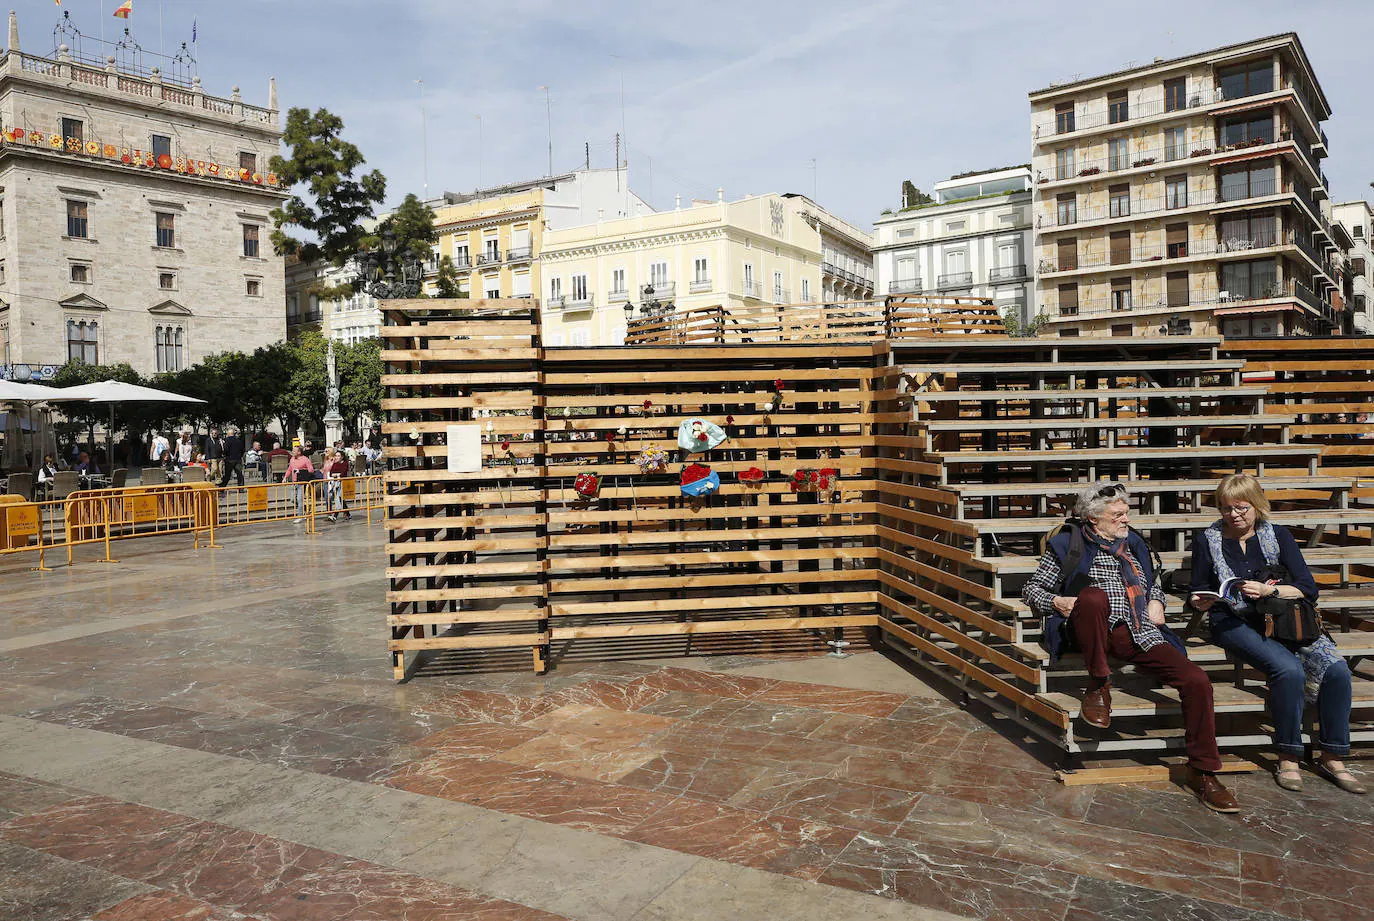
pixel 85 466
pixel 48 470
pixel 198 460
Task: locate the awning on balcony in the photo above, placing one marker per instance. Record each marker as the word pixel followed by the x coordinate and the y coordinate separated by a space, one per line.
pixel 1259 308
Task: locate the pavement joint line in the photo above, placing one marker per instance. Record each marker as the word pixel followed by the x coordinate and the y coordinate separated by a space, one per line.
pixel 216 605
pixel 580 874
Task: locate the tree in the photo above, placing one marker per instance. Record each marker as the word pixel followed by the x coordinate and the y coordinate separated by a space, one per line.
pixel 304 394
pixel 413 225
pixel 337 203
pixel 360 379
pixel 1011 319
pixel 913 197
pixel 447 282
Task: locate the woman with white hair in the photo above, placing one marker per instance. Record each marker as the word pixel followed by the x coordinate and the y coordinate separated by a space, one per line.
pixel 1099 574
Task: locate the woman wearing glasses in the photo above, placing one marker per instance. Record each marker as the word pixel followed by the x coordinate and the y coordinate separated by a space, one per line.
pixel 1101 577
pixel 1240 546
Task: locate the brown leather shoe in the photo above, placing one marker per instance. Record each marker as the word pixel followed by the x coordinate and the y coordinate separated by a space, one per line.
pixel 1097 707
pixel 1213 795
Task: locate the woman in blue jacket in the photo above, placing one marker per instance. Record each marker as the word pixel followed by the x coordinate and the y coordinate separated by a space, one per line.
pixel 1238 546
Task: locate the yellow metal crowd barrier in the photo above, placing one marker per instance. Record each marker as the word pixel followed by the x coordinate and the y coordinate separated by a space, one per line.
pixel 102 516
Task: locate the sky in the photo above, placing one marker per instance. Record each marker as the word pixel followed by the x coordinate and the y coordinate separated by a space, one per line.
pixel 843 100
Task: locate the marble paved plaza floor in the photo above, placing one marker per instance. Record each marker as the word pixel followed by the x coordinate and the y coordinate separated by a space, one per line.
pixel 213 735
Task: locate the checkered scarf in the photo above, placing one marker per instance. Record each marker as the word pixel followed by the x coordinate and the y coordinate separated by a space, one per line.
pixel 1137 592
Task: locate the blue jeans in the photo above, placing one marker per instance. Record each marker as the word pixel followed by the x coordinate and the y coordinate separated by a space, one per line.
pixel 1287 682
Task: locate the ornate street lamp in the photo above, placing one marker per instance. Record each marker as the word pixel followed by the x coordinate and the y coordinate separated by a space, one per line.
pixel 651 306
pixel 387 274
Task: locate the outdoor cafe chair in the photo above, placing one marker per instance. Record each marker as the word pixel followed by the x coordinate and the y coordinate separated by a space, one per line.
pixel 192 474
pixel 154 476
pixel 21 484
pixel 119 478
pixel 278 464
pixel 64 483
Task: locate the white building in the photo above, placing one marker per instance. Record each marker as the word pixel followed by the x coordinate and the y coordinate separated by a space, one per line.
pixel 973 240
pixel 134 216
pixel 1358 219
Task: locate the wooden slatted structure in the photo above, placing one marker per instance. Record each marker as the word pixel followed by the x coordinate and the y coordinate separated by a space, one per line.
pixel 466 550
pixel 642 560
pixel 895 317
pixel 1002 432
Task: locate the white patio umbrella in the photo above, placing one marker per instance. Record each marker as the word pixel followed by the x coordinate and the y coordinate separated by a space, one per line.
pixel 11 392
pixel 112 392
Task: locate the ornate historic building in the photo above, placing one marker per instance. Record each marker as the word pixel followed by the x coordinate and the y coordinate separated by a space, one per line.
pixel 133 216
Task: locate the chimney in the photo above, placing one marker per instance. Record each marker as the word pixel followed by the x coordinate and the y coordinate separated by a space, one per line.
pixel 14 32
pixel 720 193
pixel 272 93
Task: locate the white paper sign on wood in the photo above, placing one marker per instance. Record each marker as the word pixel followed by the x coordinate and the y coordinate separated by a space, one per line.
pixel 464 444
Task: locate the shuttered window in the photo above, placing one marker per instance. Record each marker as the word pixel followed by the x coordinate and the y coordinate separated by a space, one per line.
pixel 1068 254
pixel 1121 247
pixel 1068 300
pixel 1176 236
pixel 1178 289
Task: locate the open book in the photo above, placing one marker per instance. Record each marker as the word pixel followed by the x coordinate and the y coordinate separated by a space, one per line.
pixel 1229 594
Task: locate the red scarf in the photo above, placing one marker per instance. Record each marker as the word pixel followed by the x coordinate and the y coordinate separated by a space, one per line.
pixel 1131 577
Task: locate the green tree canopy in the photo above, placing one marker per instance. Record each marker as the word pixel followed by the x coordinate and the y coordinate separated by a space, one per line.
pixel 413 225
pixel 447 282
pixel 337 203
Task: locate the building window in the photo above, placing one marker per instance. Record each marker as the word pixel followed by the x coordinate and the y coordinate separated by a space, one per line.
pixel 81 273
pixel 555 288
pixel 1118 154
pixel 491 286
pixel 1251 182
pixel 1175 143
pixel 162 145
pixel 1176 239
pixel 1068 300
pixel 254 287
pixel 1176 192
pixel 1250 280
pixel 166 230
pixel 250 240
pixel 1117 109
pixel 460 256
pixel 1068 209
pixel 618 281
pixel 1175 94
pixel 520 284
pixel 777 286
pixel 958 226
pixel 83 341
pixel 1121 294
pixel 1247 129
pixel 806 290
pixel 579 288
pixel 1249 231
pixel 1248 79
pixel 1176 289
pixel 699 273
pixel 491 249
pixel 248 161
pixel 77 225
pixel 167 281
pixel 170 344
pixel 2 274
pixel 658 275
pixel 1068 254
pixel 1119 247
pixel 4 343
pixel 1063 163
pixel 1120 205
pixel 1063 118
pixel 73 130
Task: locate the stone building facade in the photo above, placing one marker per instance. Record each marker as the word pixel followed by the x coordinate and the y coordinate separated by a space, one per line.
pixel 134 218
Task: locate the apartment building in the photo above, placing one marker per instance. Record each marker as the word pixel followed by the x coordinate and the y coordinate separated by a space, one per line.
pixel 1186 195
pixel 494 235
pixel 762 249
pixel 973 239
pixel 134 215
pixel 1356 219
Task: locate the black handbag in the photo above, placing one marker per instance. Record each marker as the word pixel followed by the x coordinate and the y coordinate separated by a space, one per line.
pixel 1289 620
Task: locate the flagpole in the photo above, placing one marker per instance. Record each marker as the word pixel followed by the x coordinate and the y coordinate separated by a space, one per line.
pixel 161 48
pixel 102 24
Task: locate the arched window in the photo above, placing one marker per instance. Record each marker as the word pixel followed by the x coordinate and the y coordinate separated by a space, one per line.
pixel 83 341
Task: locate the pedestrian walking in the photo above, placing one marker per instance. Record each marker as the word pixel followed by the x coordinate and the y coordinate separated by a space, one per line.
pixel 299 471
pixel 233 458
pixel 213 449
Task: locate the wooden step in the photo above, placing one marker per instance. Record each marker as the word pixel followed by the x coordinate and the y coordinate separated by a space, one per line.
pixel 1123 454
pixel 1191 520
pixel 1117 367
pixel 1026 423
pixel 1112 393
pixel 1351 645
pixel 1227 698
pixel 1340 599
pixel 1315 556
pixel 978 490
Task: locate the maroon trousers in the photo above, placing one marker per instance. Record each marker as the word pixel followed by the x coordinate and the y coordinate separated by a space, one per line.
pixel 1089 619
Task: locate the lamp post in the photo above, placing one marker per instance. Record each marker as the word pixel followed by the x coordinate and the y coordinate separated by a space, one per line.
pixel 386 274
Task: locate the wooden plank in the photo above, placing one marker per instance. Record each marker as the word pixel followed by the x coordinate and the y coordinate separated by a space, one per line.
pixel 741 603
pixel 1145 773
pixel 471 641
pixel 760 625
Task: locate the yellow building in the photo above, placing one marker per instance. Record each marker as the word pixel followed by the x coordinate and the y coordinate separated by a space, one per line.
pixel 764 249
pixel 494 235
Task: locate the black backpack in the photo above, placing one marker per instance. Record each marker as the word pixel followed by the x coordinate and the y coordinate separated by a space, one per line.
pixel 1071 585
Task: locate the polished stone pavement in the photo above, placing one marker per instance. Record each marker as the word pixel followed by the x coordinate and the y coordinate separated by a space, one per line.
pixel 213 735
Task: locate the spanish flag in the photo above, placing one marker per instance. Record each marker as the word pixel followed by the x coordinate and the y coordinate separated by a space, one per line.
pixel 125 9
